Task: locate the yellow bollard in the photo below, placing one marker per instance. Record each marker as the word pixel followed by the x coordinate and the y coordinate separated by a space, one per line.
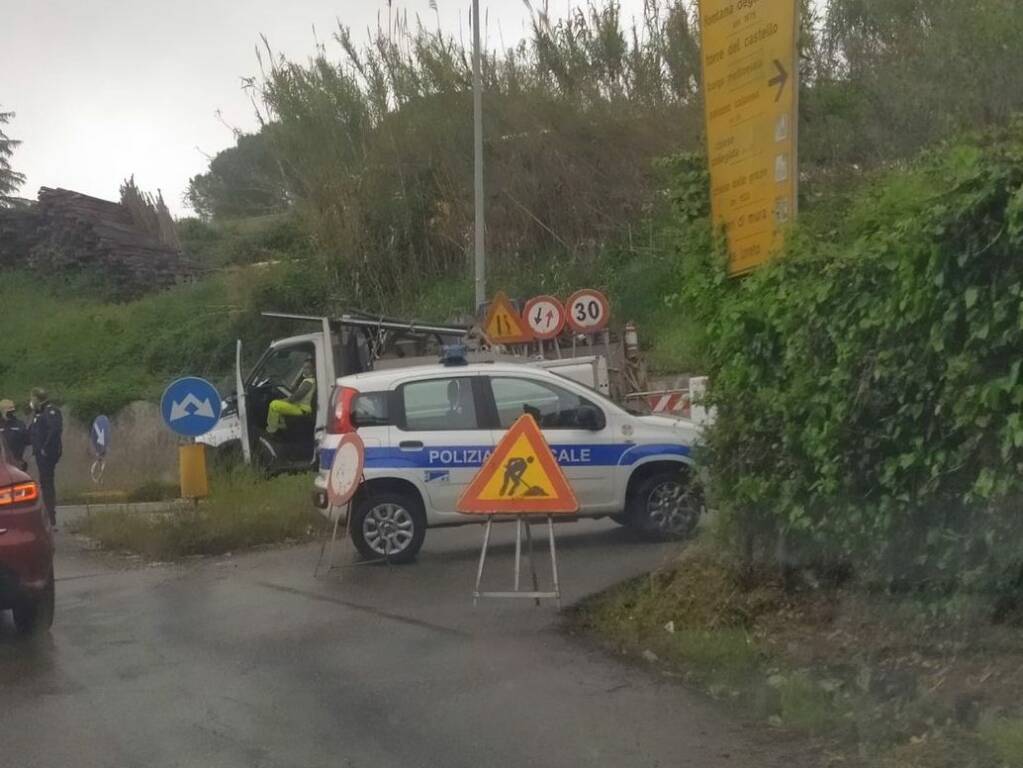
pixel 192 464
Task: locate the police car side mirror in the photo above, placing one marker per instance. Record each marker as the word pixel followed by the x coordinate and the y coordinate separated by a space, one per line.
pixel 588 417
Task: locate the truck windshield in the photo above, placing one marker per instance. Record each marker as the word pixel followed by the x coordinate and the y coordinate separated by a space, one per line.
pixel 282 367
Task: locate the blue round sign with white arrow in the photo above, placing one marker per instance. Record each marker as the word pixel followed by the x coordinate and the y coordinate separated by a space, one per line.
pixel 191 406
pixel 99 436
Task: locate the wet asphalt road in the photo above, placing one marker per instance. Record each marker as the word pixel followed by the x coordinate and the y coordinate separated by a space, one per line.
pixel 250 661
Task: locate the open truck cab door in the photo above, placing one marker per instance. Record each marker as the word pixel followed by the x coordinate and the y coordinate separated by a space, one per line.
pixel 277 376
pixel 242 435
pixel 243 421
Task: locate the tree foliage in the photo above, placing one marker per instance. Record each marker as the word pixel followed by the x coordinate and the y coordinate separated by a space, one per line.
pixel 884 78
pixel 868 384
pixel 371 142
pixel 243 180
pixel 10 180
pixel 376 146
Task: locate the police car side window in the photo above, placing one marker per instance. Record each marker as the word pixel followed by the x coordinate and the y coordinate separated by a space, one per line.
pixel 370 409
pixel 552 406
pixel 438 404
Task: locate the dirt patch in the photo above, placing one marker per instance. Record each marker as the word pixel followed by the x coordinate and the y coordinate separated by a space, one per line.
pixel 894 681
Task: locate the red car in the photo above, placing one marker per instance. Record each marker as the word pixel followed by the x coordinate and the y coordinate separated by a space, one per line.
pixel 26 552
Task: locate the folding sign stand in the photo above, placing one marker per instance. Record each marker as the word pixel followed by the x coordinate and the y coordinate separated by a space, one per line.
pixel 346 537
pixel 535 594
pixel 333 539
pixel 342 483
pixel 522 479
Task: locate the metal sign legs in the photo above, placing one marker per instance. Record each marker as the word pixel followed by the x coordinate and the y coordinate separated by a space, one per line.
pixel 333 540
pixel 535 593
pixel 345 538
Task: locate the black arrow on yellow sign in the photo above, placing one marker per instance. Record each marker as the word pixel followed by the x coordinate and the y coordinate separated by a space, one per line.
pixel 780 79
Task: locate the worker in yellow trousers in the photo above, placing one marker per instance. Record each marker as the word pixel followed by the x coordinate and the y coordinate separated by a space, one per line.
pixel 300 403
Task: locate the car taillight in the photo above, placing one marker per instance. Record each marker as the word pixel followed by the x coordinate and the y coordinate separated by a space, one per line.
pixel 341 411
pixel 22 493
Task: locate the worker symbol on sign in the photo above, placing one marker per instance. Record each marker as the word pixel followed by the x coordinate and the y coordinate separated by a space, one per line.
pixel 513 472
pixel 521 476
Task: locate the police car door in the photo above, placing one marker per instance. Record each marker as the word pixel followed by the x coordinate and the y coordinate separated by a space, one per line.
pixel 575 427
pixel 440 436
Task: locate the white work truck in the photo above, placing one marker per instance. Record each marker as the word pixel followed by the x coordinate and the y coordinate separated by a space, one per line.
pixel 351 344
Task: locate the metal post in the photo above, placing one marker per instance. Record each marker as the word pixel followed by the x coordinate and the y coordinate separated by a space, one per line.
pixel 483 559
pixel 518 549
pixel 532 562
pixel 323 547
pixel 554 560
pixel 477 109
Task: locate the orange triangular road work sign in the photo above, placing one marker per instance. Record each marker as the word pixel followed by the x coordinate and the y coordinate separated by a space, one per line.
pixel 503 324
pixel 520 477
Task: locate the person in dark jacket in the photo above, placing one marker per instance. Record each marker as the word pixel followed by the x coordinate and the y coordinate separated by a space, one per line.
pixel 14 434
pixel 45 432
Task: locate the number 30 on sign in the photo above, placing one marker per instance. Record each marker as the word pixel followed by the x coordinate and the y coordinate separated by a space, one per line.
pixel 588 311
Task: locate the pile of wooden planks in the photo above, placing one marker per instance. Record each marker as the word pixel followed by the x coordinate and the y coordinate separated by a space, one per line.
pixel 68 233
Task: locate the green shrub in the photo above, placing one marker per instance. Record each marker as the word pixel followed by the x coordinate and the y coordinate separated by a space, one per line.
pixel 805 704
pixel 242 511
pixel 1005 737
pixel 870 405
pixel 272 237
pixel 96 357
pixel 154 490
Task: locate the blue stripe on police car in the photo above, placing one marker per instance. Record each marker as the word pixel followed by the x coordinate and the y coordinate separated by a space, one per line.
pixel 462 456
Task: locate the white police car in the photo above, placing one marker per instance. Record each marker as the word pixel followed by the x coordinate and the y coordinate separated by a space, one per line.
pixel 428 429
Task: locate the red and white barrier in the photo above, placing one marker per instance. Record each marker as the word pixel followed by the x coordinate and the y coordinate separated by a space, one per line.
pixel 675 403
pixel 678 402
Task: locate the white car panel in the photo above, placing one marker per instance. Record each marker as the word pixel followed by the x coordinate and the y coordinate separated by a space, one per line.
pixel 598 463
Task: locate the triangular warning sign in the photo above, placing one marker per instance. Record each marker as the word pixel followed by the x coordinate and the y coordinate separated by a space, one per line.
pixel 520 477
pixel 503 324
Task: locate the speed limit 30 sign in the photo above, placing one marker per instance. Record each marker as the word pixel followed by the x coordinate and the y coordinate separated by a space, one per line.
pixel 545 317
pixel 588 311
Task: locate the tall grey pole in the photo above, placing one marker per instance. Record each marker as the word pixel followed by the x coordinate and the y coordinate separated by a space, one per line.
pixel 477 108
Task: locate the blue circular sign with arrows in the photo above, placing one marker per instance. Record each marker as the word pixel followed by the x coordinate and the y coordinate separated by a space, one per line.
pixel 191 406
pixel 99 436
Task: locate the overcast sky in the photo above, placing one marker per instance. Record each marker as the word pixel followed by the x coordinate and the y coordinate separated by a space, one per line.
pixel 106 88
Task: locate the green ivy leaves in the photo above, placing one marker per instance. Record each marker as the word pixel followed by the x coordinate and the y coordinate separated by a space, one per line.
pixel 869 387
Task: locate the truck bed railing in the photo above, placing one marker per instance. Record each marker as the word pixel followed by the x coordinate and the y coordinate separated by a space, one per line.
pixel 374 322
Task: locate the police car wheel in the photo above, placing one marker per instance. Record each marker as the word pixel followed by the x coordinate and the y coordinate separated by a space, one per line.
pixel 666 507
pixel 389 525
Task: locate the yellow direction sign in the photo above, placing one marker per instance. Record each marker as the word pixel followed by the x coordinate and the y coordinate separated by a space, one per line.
pixel 521 476
pixel 751 89
pixel 503 324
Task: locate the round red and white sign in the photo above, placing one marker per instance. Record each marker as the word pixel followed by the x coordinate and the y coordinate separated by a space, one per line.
pixel 346 469
pixel 588 311
pixel 545 317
